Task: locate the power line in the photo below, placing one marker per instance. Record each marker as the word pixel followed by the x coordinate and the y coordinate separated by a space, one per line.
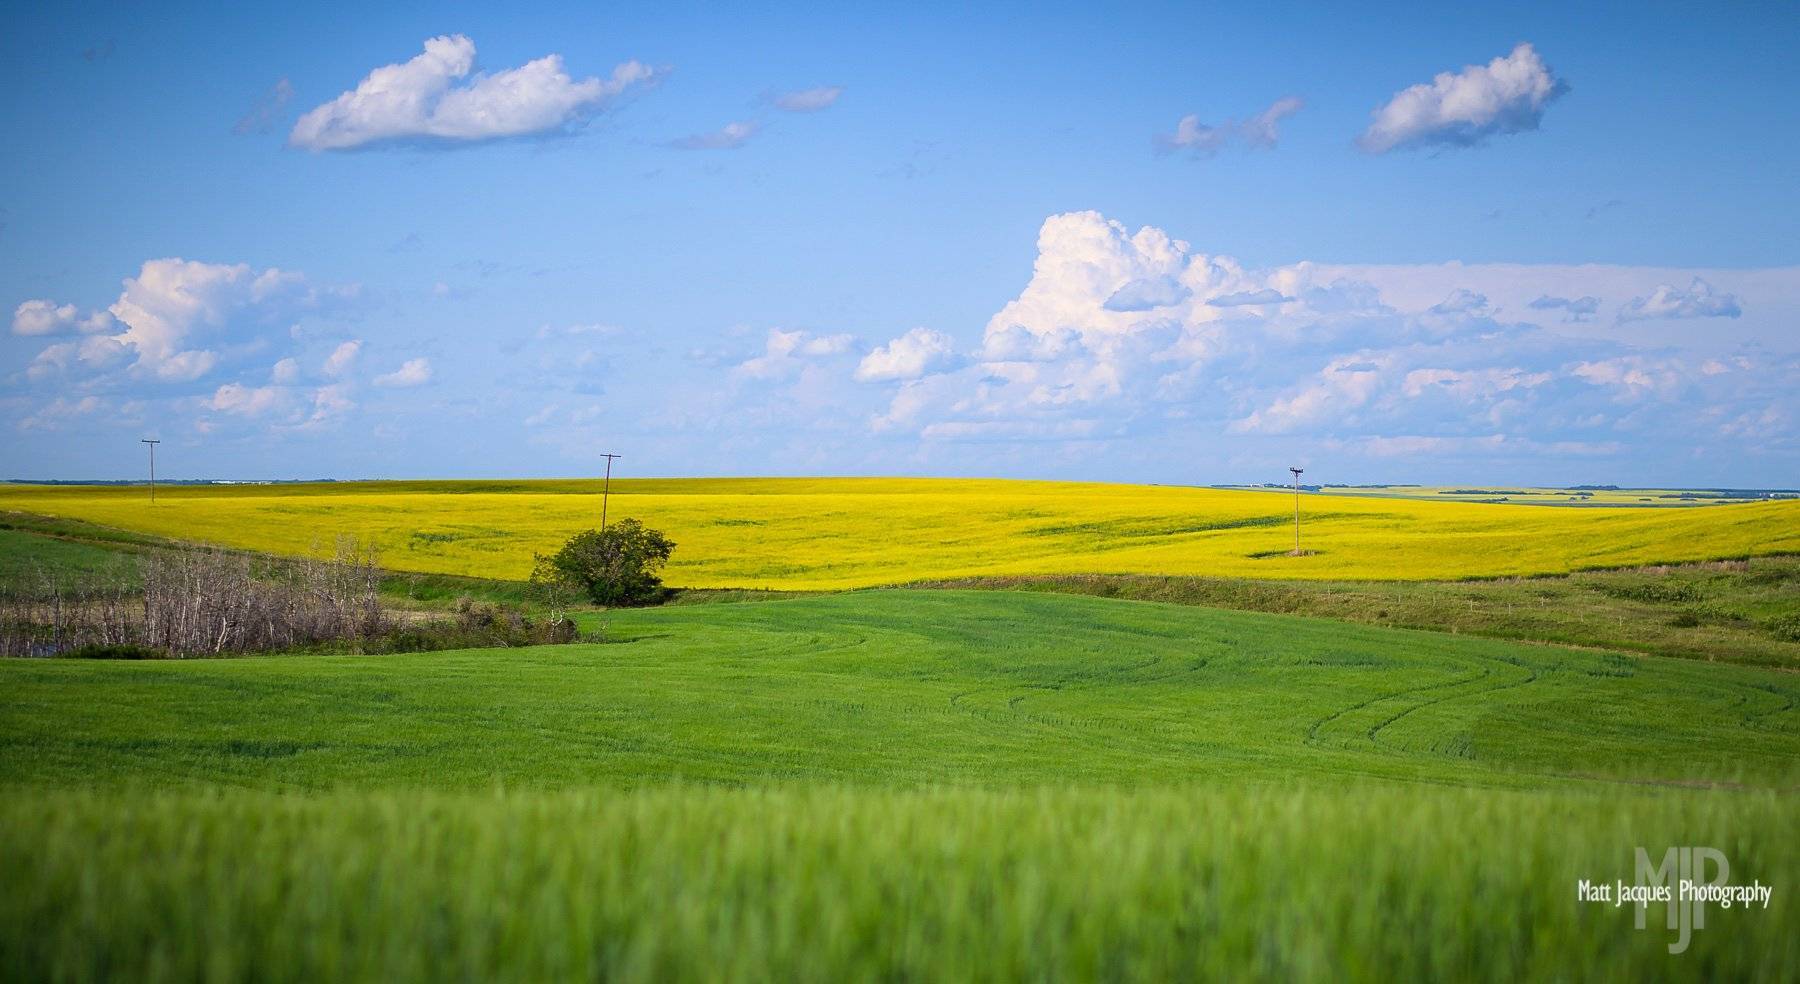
pixel 153 445
pixel 606 489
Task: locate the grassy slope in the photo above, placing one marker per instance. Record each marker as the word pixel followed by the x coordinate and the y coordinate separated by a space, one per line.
pixel 949 785
pixel 1736 613
pixel 843 533
pixel 912 687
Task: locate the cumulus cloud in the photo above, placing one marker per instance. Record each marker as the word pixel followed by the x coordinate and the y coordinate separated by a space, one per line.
pixel 39 317
pixel 1463 109
pixel 171 300
pixel 808 100
pixel 1632 375
pixel 342 358
pixel 728 137
pixel 1699 300
pixel 784 352
pixel 1203 140
pixel 59 411
pixel 433 97
pixel 246 401
pixel 329 402
pixel 1390 361
pixel 1344 385
pixel 285 371
pixel 1469 384
pixel 159 315
pixel 907 357
pixel 99 352
pixel 413 372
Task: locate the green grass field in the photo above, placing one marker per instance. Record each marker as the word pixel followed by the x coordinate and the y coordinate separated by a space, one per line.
pixel 890 784
pixel 826 884
pixel 912 687
pixel 1056 776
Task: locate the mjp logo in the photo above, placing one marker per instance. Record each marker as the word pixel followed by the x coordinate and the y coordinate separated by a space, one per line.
pixel 1685 882
pixel 1680 870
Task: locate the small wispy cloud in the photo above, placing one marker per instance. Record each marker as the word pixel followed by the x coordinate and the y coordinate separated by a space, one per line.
pixel 269 109
pixel 1578 308
pixel 1202 140
pixel 413 372
pixel 728 137
pixel 808 100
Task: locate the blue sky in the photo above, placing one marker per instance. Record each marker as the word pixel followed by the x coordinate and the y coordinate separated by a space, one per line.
pixel 1161 243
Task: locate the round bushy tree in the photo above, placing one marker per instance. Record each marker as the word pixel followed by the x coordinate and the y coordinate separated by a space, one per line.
pixel 618 565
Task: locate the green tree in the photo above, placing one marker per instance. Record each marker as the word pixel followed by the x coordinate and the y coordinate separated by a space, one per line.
pixel 618 565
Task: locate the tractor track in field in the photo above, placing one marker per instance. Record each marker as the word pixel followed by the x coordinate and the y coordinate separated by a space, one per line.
pixel 1312 733
pixel 1531 676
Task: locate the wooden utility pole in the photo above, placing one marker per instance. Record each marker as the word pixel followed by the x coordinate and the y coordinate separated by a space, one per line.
pixel 1296 472
pixel 153 445
pixel 606 490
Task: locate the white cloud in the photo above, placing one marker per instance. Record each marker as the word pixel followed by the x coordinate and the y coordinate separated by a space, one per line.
pixel 331 401
pixel 39 317
pixel 1632 374
pixel 1484 446
pixel 1442 355
pixel 728 137
pixel 342 358
pixel 1260 130
pixel 784 352
pixel 907 357
pixel 414 372
pixel 420 99
pixel 285 371
pixel 246 401
pixel 809 100
pixel 1344 385
pixel 1202 140
pixel 97 352
pixel 170 300
pixel 60 410
pixel 1699 300
pixel 828 344
pixel 1462 109
pixel 1470 384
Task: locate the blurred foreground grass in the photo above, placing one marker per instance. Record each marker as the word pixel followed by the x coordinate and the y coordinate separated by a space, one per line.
pixel 1375 882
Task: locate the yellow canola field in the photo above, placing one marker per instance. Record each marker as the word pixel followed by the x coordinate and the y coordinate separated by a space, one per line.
pixel 806 534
